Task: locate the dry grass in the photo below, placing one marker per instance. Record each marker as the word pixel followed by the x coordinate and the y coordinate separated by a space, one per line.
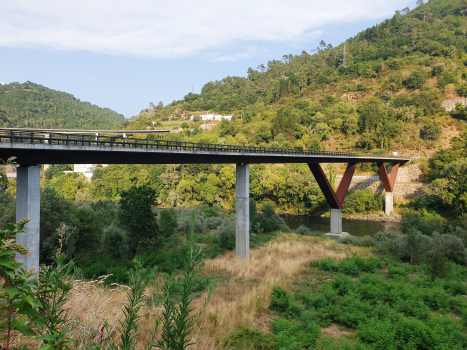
pixel 244 299
pixel 335 331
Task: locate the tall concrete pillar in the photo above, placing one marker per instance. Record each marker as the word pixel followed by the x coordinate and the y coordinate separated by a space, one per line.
pixel 336 221
pixel 336 225
pixel 28 206
pixel 242 238
pixel 389 203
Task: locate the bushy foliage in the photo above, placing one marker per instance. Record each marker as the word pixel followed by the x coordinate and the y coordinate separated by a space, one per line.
pixel 415 80
pixel 137 218
pixel 303 230
pixel 415 246
pixel 389 310
pixel 168 222
pixel 426 224
pixel 246 337
pixel 115 242
pixel 367 241
pixel 430 132
pixel 362 201
pixel 227 236
pixel 349 240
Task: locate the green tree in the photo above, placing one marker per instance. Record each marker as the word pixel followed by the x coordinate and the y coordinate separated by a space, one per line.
pixel 115 242
pixel 168 222
pixel 136 216
pixel 452 187
pixel 210 190
pixel 430 132
pixel 55 211
pixel 463 8
pixel 415 80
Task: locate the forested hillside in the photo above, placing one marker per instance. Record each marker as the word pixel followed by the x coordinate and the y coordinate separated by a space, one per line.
pixel 385 93
pixel 33 105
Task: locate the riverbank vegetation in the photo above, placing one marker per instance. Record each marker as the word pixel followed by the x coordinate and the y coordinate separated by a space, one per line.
pixel 297 292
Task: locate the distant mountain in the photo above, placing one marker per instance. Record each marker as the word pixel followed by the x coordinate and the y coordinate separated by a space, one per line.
pixel 33 105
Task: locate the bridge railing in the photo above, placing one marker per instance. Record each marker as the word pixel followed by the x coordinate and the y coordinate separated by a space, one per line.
pixel 28 137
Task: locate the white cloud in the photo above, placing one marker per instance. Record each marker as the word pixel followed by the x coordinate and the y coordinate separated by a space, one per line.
pixel 175 28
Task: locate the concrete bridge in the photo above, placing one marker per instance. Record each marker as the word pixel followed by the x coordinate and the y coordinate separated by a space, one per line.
pixel 32 148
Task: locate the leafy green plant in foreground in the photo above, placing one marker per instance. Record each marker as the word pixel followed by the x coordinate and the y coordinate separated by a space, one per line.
pixel 53 287
pixel 17 297
pixel 176 320
pixel 140 279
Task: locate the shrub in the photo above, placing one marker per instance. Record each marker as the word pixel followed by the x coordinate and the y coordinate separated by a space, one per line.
pixel 246 338
pixel 451 246
pixel 438 265
pixel 342 284
pixel 415 80
pixel 388 241
pixel 268 221
pixel 295 309
pixel 214 222
pixel 292 335
pixel 115 242
pixel 349 268
pixel 329 265
pixel 280 299
pixel 362 201
pixel 168 222
pixel 430 132
pixel 349 240
pixel 425 224
pixel 184 222
pixel 227 236
pixel 367 241
pixel 303 230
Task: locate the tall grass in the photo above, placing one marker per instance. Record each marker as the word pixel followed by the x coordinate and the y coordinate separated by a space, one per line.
pixel 241 300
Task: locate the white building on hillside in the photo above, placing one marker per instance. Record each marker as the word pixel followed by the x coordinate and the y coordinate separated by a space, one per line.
pixel 218 117
pixel 86 169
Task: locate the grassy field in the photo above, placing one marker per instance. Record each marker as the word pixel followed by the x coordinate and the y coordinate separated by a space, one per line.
pixel 297 292
pixel 241 295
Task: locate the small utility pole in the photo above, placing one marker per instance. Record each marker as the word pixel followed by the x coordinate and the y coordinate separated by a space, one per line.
pixel 418 150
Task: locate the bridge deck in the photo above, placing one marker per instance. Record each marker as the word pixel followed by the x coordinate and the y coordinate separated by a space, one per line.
pixel 35 148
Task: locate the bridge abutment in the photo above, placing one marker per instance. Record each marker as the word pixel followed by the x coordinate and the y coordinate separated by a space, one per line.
pixel 28 193
pixel 242 206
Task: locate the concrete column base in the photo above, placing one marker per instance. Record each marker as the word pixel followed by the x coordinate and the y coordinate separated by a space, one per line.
pixel 389 203
pixel 336 225
pixel 28 201
pixel 242 207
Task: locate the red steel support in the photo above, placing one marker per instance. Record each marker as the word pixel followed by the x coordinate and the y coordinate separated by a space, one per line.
pixel 388 180
pixel 334 199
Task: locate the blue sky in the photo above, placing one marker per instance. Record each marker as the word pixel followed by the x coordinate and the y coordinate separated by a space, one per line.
pixel 125 54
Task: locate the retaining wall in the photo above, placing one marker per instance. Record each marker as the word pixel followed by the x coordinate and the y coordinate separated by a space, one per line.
pixel 408 183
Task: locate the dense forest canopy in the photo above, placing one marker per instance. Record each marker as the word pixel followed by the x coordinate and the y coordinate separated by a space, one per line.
pixel 33 105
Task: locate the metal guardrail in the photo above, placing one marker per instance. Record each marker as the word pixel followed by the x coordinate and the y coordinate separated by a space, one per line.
pixel 28 137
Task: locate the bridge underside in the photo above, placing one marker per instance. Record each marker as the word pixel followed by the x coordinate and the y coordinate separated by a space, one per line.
pixel 32 151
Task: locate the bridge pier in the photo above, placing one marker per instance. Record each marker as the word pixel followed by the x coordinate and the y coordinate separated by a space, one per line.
pixel 335 199
pixel 28 193
pixel 388 203
pixel 242 206
pixel 389 182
